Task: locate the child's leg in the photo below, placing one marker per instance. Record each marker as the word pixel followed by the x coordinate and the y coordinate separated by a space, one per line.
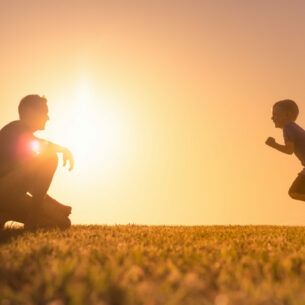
pixel 297 189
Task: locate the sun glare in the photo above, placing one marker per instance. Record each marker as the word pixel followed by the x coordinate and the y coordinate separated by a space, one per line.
pixel 93 129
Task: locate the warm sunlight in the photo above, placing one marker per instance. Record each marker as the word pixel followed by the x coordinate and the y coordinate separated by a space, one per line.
pixel 164 125
pixel 92 127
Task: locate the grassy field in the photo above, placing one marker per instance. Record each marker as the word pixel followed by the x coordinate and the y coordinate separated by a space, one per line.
pixel 219 265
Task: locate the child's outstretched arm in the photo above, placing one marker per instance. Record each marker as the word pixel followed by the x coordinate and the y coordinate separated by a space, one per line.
pixel 287 148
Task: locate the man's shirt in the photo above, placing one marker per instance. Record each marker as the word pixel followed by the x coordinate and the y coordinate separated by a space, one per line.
pixel 16 146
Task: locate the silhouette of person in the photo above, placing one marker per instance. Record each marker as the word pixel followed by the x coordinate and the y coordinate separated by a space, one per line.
pixel 27 166
pixel 284 115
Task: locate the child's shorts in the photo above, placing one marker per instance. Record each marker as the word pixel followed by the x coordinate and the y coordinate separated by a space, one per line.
pixel 298 185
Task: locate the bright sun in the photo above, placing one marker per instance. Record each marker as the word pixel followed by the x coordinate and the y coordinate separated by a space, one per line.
pixel 92 128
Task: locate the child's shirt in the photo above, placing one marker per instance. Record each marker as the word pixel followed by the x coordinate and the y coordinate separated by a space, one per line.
pixel 294 133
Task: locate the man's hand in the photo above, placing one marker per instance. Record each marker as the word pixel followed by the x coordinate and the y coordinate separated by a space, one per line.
pixel 67 156
pixel 55 148
pixel 271 142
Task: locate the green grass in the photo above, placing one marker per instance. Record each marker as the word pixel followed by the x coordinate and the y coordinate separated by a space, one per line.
pixel 219 265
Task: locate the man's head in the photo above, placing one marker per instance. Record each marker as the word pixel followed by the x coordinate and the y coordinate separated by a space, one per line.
pixel 33 111
pixel 284 111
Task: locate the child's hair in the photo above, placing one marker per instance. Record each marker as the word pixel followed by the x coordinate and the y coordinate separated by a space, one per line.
pixel 289 106
pixel 31 101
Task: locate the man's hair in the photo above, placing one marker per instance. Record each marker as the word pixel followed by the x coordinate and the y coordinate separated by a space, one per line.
pixel 289 106
pixel 33 101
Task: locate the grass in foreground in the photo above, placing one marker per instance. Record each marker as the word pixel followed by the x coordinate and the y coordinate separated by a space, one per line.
pixel 153 265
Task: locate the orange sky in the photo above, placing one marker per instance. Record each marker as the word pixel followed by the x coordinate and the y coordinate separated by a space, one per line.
pixel 171 100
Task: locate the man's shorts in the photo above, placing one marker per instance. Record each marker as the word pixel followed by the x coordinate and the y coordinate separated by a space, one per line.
pixel 298 185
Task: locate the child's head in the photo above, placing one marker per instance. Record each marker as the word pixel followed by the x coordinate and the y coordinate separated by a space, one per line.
pixel 284 111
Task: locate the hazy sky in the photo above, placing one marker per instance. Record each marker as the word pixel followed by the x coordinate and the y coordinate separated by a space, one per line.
pixel 166 104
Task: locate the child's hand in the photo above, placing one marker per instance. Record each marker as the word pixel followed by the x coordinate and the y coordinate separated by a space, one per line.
pixel 270 142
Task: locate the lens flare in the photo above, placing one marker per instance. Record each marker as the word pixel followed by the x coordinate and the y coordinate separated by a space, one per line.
pixel 35 147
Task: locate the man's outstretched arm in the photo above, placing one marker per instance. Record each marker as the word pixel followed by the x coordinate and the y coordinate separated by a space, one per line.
pixel 66 153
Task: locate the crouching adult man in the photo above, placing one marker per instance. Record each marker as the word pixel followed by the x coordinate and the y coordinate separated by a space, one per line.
pixel 27 166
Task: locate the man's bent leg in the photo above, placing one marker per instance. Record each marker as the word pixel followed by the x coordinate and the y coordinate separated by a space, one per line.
pixel 39 209
pixel 56 213
pixel 43 171
pixel 12 192
pixel 53 207
pixel 34 177
pixel 43 219
pixel 52 213
pixel 19 209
